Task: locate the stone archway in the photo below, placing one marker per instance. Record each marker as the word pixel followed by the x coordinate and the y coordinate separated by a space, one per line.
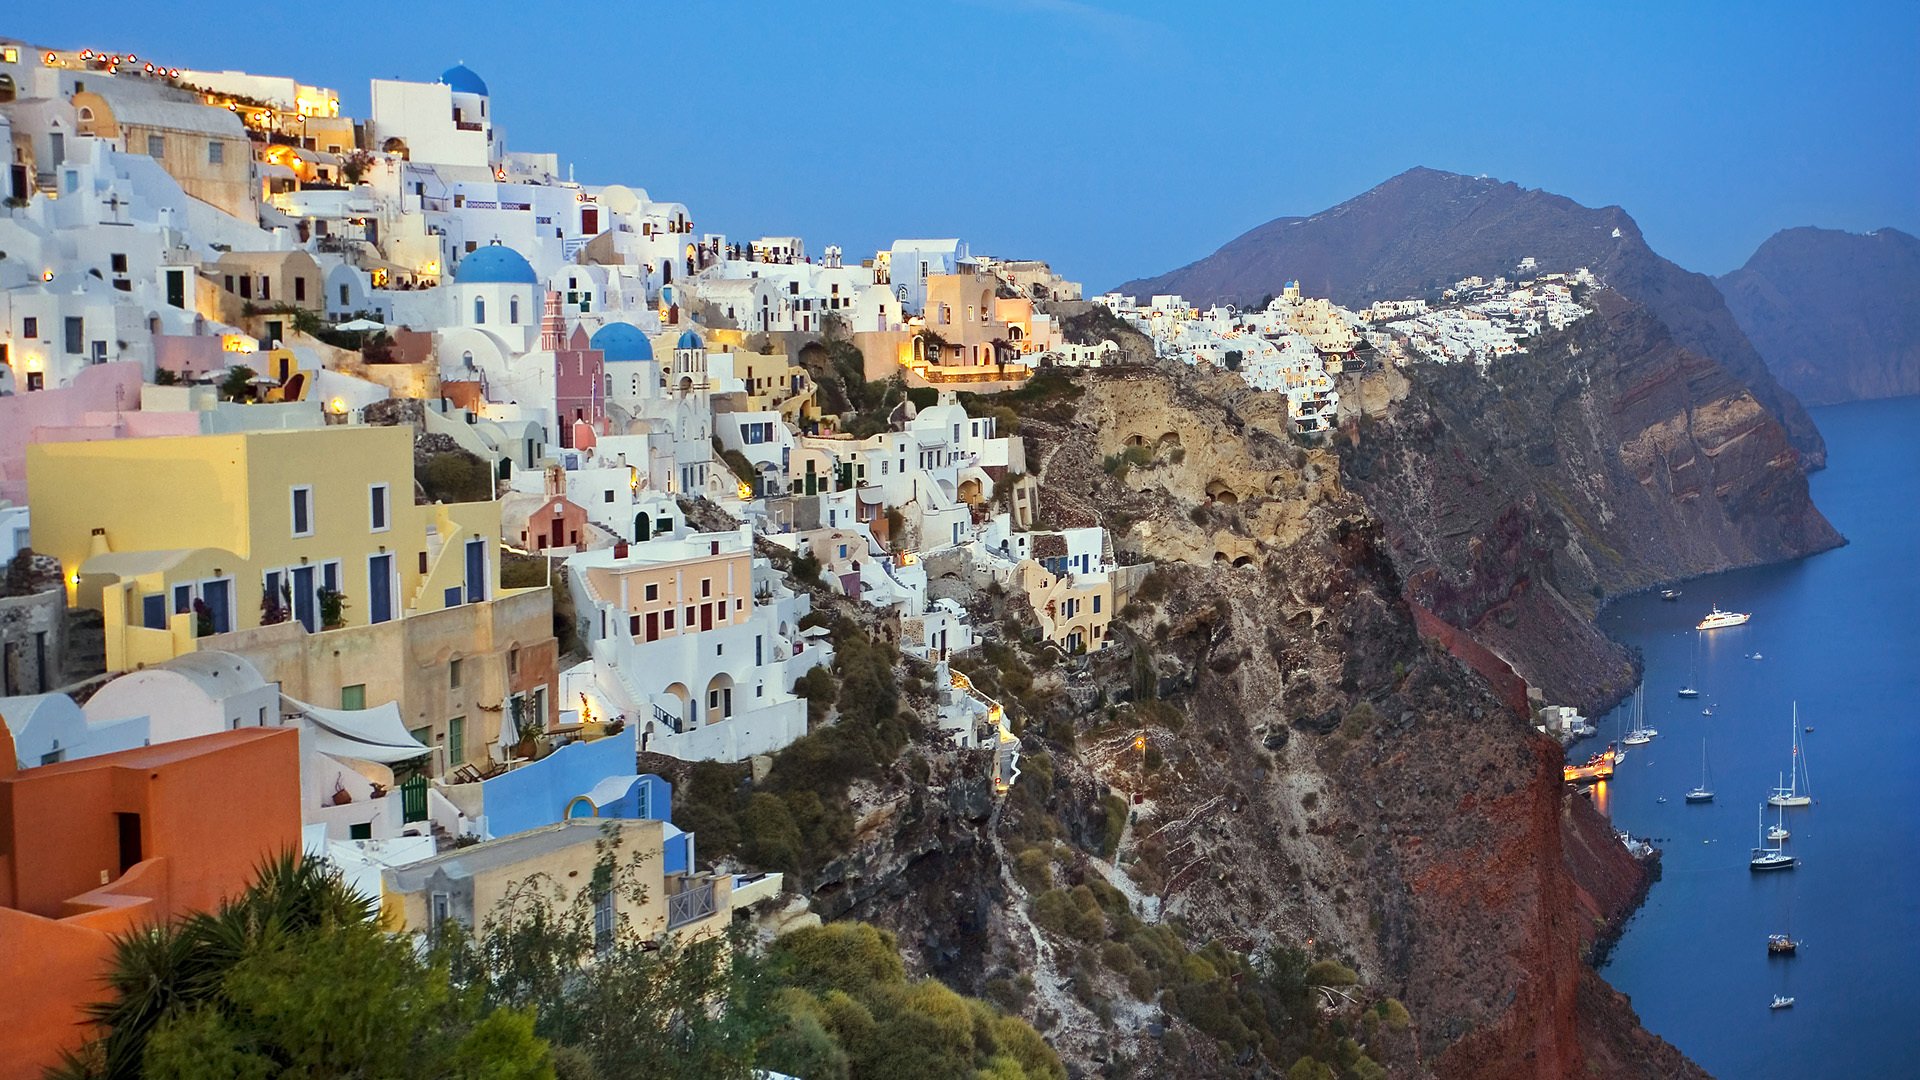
pixel 1219 492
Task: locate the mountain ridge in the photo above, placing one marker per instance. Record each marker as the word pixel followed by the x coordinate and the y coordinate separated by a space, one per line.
pixel 1833 313
pixel 1424 228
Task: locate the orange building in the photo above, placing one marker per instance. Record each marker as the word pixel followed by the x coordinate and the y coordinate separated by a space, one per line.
pixel 99 846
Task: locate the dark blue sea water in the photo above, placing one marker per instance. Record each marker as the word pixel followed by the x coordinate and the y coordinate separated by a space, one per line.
pixel 1840 633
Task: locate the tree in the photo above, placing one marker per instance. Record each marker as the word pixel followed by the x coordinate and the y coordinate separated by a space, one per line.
pixel 238 385
pixel 294 976
pixel 1233 359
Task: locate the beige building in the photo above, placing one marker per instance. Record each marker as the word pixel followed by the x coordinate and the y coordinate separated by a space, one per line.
pixel 1075 611
pixel 203 148
pixel 305 552
pixel 272 279
pixel 469 884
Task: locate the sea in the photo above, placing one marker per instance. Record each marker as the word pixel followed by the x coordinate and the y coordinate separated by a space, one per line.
pixel 1839 634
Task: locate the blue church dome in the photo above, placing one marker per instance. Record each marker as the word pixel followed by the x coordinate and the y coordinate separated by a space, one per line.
pixel 463 81
pixel 690 340
pixel 495 264
pixel 622 343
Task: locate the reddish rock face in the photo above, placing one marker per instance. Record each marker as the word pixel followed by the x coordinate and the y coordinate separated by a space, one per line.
pixel 1605 460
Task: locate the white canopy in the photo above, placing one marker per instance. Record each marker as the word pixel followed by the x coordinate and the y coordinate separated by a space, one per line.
pixel 377 734
pixel 361 324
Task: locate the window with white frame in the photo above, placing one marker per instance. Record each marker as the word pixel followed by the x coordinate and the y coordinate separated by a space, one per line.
pixel 378 505
pixel 302 510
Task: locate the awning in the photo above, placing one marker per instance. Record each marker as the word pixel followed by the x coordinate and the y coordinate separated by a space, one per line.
pixel 377 734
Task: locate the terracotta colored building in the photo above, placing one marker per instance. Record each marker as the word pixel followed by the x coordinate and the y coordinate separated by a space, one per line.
pixel 99 846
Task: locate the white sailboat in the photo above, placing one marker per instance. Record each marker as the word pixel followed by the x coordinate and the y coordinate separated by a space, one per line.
pixel 1691 688
pixel 1792 792
pixel 1768 858
pixel 1641 733
pixel 1704 792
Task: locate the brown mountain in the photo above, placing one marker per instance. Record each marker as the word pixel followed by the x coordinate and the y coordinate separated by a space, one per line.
pixel 1835 314
pixel 1424 228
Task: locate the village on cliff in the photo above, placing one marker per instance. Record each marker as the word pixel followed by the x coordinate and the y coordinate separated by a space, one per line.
pixel 311 424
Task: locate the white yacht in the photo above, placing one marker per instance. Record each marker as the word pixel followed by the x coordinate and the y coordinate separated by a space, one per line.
pixel 1792 792
pixel 1768 858
pixel 1716 619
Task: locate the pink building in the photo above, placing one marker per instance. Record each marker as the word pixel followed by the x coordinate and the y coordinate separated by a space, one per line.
pixel 579 374
pixel 102 402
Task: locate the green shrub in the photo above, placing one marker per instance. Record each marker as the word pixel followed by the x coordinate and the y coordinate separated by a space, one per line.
pixel 1331 973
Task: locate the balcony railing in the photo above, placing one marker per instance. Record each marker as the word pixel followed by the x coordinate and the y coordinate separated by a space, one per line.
pixel 690 905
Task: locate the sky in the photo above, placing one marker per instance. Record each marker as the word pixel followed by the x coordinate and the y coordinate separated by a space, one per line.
pixel 1122 139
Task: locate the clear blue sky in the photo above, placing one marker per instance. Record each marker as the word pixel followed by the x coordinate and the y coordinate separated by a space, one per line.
pixel 1122 139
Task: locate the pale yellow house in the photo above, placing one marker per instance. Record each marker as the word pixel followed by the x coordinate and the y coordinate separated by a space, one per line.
pixel 1075 611
pixel 305 552
pixel 556 864
pixel 203 148
pixel 961 337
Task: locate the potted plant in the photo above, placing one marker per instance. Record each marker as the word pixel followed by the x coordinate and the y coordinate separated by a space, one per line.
pixel 333 607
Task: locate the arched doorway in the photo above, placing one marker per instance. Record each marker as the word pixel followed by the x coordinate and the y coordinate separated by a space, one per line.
pixel 720 698
pixel 683 713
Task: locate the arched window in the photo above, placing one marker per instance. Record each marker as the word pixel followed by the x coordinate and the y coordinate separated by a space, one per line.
pixel 7 89
pixel 513 310
pixel 86 114
pixel 479 309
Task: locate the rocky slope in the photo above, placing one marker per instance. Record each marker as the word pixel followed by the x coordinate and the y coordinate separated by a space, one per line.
pixel 1413 234
pixel 1308 773
pixel 1606 459
pixel 1836 315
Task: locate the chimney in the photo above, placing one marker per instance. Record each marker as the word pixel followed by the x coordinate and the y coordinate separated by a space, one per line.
pixel 620 549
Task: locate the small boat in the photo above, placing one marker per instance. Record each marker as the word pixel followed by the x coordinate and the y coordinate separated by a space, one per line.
pixel 1777 832
pixel 1688 691
pixel 1781 1002
pixel 1781 945
pixel 1717 619
pixel 1755 656
pixel 1790 791
pixel 1708 711
pixel 1704 792
pixel 1768 858
pixel 1660 798
pixel 1669 595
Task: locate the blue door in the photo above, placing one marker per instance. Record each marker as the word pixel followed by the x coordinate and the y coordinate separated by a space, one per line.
pixel 303 606
pixel 476 571
pixel 217 595
pixel 380 588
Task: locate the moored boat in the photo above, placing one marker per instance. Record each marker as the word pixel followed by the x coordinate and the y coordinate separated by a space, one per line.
pixel 1716 619
pixel 1781 1002
pixel 1781 945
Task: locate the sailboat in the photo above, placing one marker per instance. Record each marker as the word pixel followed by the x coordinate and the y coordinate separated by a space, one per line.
pixel 1768 858
pixel 1703 792
pixel 1641 733
pixel 1690 688
pixel 1778 832
pixel 1791 792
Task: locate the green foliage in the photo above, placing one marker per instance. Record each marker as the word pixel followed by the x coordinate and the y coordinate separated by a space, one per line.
pixel 1033 868
pixel 806 568
pixel 1049 395
pixel 238 385
pixel 1115 825
pixel 1073 913
pixel 522 571
pixel 1233 359
pixel 455 476
pixel 1330 973
pixel 1358 720
pixel 295 977
pixel 1393 1014
pixel 848 982
pixel 818 688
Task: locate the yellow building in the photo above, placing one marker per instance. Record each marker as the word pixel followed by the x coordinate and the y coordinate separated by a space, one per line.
pixel 1075 611
pixel 305 552
pixel 469 884
pixel 961 337
pixel 205 149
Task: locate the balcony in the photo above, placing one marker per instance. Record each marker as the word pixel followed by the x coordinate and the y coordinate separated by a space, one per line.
pixel 690 905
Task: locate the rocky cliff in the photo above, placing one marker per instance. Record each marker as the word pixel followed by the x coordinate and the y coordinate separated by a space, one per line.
pixel 1605 459
pixel 1423 229
pixel 1836 315
pixel 1268 758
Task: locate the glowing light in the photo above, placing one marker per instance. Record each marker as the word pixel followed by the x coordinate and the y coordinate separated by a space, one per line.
pixel 74 579
pixel 746 490
pixel 51 59
pixel 46 275
pixel 1139 742
pixel 338 406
